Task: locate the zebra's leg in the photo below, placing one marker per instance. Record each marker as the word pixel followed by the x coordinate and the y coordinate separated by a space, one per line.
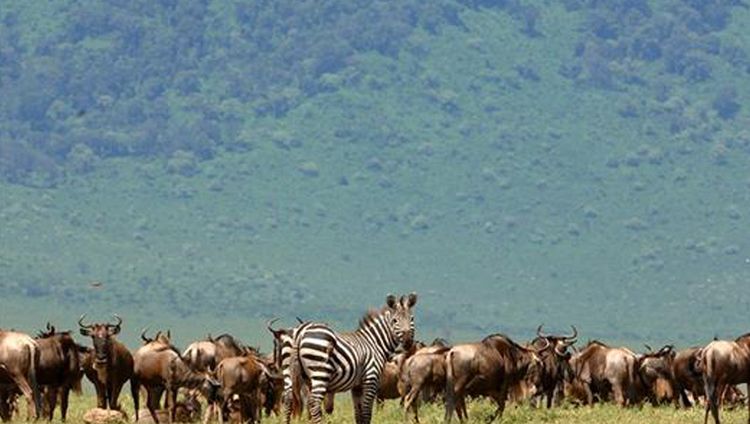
pixel 369 393
pixel 357 403
pixel 315 401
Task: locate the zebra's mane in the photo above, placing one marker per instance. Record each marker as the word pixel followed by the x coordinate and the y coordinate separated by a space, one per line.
pixel 370 316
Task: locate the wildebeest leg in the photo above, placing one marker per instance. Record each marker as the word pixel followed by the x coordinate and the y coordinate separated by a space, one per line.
pixel 618 393
pixel 114 398
pixel 135 387
pixel 153 396
pixel 411 401
pixel 101 401
pixel 50 402
pixel 499 397
pixel 712 400
pixel 4 406
pixel 64 399
pixel 30 396
pixel 171 403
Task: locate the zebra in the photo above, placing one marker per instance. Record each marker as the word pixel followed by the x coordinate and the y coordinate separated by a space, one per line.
pixel 331 362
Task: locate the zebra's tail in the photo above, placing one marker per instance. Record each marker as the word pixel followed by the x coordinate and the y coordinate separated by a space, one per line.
pixel 450 394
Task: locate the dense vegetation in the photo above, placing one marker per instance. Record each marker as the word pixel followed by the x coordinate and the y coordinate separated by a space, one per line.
pixel 572 161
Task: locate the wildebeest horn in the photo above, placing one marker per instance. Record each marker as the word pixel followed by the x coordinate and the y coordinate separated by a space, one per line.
pixel 543 348
pixel 81 324
pixel 143 335
pixel 665 350
pixel 539 331
pixel 119 321
pixel 648 348
pixel 574 337
pixel 269 325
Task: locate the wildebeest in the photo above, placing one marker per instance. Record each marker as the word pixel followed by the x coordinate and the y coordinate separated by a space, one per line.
pixel 112 364
pixel 423 374
pixel 205 355
pixel 687 376
pixel 657 378
pixel 19 361
pixel 488 368
pixel 200 356
pixel 554 362
pixel 159 368
pixel 723 363
pixel 599 368
pixel 242 380
pixel 59 368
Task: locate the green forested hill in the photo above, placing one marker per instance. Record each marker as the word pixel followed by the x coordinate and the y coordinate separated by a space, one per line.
pixel 217 163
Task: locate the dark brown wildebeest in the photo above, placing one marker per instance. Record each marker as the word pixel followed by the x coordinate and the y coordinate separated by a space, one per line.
pixel 723 363
pixel 655 372
pixel 242 380
pixel 159 368
pixel 19 361
pixel 598 369
pixel 687 376
pixel 555 365
pixel 112 364
pixel 59 368
pixel 488 368
pixel 423 374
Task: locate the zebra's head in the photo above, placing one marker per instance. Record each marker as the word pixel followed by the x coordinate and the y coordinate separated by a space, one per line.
pixel 402 318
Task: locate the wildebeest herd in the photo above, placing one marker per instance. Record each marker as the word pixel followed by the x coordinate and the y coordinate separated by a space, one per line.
pixel 380 360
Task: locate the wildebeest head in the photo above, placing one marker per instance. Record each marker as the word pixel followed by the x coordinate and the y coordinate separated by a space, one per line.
pixel 559 344
pixel 278 340
pixel 402 318
pixel 101 335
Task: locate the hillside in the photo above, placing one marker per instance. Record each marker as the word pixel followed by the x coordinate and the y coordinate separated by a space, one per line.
pixel 566 162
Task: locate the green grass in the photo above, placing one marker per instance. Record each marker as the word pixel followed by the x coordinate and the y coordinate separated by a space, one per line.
pixel 479 411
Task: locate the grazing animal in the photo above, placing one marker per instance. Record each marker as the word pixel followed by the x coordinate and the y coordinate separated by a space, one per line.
pixel 487 368
pixel 242 380
pixel 159 368
pixel 687 376
pixel 655 372
pixel 335 362
pixel 422 373
pixel 59 369
pixel 723 363
pixel 200 356
pixel 205 355
pixel 19 361
pixel 599 368
pixel 555 365
pixel 111 365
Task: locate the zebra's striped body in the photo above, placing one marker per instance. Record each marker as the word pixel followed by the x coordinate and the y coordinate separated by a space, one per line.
pixel 332 362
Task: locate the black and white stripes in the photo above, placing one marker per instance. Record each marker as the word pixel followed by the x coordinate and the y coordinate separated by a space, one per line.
pixel 331 362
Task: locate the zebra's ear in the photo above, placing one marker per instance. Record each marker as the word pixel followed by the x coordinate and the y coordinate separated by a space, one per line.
pixel 411 300
pixel 390 300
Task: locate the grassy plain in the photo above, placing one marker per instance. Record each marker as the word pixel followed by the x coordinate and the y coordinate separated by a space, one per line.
pixel 479 411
